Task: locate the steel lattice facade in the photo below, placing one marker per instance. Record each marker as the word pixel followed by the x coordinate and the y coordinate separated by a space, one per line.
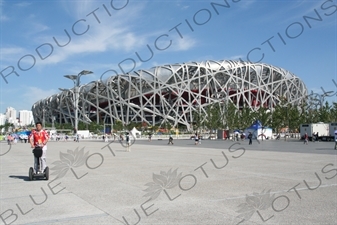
pixel 174 92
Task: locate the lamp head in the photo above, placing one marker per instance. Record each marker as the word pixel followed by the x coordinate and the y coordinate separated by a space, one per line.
pixel 71 77
pixel 85 72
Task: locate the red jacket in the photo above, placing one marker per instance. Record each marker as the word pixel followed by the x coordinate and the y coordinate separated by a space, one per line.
pixel 39 138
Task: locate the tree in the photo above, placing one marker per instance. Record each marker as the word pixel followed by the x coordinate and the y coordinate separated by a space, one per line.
pixel 131 125
pixel 279 118
pixel 214 117
pixel 118 126
pixel 264 116
pixel 82 126
pixel 232 117
pixel 295 119
pixel 96 128
pixel 324 114
pixel 1 126
pixel 197 119
pixel 333 112
pixel 154 128
pixel 168 126
pixel 246 117
pixel 139 125
pixel 7 125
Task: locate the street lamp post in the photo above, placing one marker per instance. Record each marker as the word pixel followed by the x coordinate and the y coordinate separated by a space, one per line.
pixel 43 119
pixel 288 122
pixel 76 80
pixel 53 125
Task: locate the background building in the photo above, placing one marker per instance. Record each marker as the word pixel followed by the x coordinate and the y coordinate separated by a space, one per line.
pixel 2 119
pixel 25 117
pixel 11 115
pixel 173 93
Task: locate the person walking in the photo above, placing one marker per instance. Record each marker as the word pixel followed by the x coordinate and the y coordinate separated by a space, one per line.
pixel 170 140
pixel 236 135
pixel 196 139
pixel 127 140
pixel 306 139
pixel 250 136
pixel 9 139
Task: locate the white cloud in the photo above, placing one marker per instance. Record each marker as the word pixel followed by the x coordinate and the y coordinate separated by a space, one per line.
pixel 236 57
pixel 38 27
pixel 23 4
pixel 11 51
pixel 103 37
pixel 183 44
pixel 302 10
pixel 117 36
pixel 34 94
pixel 3 18
pixel 9 54
pixel 23 97
pixel 246 4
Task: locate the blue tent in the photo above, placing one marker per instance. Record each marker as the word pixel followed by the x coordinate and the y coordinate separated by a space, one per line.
pixel 259 131
pixel 26 132
pixel 256 125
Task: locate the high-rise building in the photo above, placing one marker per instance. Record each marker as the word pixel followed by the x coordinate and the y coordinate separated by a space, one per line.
pixel 25 117
pixel 2 119
pixel 11 115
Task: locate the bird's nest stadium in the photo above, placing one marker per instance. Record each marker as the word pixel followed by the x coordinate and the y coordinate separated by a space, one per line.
pixel 172 93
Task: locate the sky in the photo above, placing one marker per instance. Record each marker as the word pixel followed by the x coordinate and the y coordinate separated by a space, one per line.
pixel 41 41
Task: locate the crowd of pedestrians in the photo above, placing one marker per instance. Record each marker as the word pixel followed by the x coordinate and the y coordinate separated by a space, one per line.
pixel 13 138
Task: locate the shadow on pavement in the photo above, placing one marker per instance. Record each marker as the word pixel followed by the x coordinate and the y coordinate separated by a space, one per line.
pixel 25 178
pixel 326 149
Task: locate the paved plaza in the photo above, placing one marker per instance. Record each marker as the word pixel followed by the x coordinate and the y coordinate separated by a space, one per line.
pixel 217 182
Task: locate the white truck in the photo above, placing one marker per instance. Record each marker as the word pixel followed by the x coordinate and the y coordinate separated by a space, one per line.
pixel 332 128
pixel 84 133
pixel 321 128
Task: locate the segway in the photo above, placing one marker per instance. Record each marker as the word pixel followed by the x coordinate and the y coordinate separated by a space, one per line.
pixel 35 174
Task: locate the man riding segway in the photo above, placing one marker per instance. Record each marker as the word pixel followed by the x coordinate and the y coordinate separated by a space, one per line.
pixel 38 140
